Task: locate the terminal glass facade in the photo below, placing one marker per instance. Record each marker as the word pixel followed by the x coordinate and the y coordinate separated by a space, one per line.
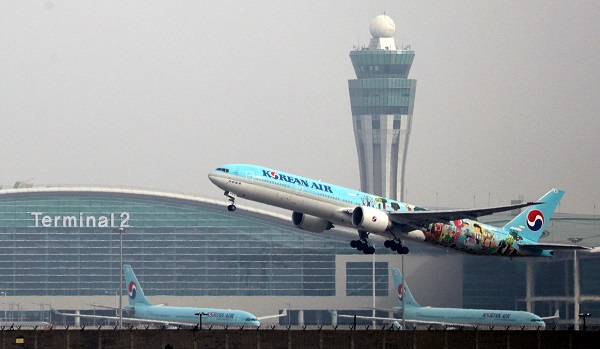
pixel 64 243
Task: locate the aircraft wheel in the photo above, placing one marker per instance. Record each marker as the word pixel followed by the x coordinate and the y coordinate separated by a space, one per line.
pixel 404 250
pixel 360 246
pixel 231 208
pixel 370 250
pixel 354 243
pixel 388 243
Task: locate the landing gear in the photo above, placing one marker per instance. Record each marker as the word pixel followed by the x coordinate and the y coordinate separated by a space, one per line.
pixel 231 197
pixel 396 245
pixel 362 244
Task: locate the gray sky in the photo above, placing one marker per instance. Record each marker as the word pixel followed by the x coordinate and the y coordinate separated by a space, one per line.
pixel 157 94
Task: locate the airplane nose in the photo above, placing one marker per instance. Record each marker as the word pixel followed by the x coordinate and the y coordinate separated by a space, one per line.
pixel 212 176
pixel 219 179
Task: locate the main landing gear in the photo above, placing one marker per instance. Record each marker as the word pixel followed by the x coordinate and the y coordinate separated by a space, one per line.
pixel 231 197
pixel 362 244
pixel 396 245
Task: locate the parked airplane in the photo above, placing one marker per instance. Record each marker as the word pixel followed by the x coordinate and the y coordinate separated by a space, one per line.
pixel 455 317
pixel 317 206
pixel 141 310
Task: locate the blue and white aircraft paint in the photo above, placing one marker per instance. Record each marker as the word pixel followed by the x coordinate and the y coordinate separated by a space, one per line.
pixel 455 317
pixel 318 206
pixel 140 309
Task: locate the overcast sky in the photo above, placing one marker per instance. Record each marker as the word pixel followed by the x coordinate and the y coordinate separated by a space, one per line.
pixel 157 94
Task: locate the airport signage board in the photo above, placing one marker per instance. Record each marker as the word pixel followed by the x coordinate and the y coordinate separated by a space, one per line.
pixel 81 220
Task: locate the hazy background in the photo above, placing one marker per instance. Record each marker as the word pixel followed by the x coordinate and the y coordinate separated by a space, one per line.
pixel 156 95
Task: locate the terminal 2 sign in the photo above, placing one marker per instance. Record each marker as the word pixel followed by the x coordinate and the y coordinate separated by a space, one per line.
pixel 81 220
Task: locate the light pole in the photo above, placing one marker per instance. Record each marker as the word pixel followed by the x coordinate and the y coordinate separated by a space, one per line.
pixel 200 319
pixel 121 231
pixel 289 314
pixel 5 305
pixel 403 300
pixel 584 315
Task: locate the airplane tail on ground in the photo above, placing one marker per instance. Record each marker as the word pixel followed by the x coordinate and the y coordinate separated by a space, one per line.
pixel 136 295
pixel 531 222
pixel 403 290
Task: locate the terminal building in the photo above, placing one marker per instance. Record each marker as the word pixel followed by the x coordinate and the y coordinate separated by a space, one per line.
pixel 60 247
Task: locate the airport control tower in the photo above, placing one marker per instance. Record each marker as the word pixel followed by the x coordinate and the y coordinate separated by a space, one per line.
pixel 382 100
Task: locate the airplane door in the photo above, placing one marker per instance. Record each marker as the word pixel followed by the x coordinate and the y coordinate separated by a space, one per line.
pixel 250 176
pixel 298 189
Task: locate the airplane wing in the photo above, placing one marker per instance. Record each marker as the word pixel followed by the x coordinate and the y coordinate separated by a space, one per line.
pixel 102 306
pixel 410 321
pixel 415 219
pixel 125 319
pixel 283 313
pixel 387 319
pixel 555 316
pixel 552 246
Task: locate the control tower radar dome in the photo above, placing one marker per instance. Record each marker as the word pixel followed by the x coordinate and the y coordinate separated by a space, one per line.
pixel 382 26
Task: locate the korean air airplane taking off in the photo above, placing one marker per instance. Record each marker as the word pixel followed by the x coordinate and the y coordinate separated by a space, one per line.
pixel 141 310
pixel 418 315
pixel 318 206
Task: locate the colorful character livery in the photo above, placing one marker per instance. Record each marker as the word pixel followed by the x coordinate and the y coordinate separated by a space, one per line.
pixel 317 206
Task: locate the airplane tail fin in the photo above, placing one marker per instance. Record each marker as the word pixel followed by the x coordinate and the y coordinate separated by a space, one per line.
pixel 403 291
pixel 531 222
pixel 136 295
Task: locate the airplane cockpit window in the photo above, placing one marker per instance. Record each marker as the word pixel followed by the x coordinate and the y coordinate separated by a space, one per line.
pixel 222 169
pixel 251 319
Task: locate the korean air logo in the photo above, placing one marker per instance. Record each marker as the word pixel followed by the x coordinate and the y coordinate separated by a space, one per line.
pixel 374 219
pixel 273 174
pixel 132 290
pixel 535 220
pixel 400 291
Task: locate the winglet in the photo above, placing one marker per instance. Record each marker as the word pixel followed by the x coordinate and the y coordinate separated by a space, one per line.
pixel 555 316
pixel 283 313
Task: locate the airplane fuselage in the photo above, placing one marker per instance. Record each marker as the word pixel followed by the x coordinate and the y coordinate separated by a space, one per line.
pixel 334 204
pixel 210 316
pixel 475 317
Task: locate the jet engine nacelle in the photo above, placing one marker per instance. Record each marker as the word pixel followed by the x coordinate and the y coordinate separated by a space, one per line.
pixel 310 223
pixel 370 219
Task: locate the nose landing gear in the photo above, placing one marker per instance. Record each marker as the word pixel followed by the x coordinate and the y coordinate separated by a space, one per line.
pixel 231 197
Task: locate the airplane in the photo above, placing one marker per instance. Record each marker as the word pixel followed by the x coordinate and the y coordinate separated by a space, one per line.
pixel 141 310
pixel 317 206
pixel 454 317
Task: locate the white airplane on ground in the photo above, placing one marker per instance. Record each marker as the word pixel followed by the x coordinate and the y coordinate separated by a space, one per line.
pixel 317 206
pixel 141 310
pixel 454 317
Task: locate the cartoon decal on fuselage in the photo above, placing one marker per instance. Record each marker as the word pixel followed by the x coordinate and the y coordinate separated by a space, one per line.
pixel 471 236
pixel 384 204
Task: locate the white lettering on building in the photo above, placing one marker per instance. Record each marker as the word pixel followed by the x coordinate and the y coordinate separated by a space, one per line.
pixel 83 220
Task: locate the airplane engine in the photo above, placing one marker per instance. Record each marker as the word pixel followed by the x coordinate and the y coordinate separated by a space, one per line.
pixel 310 223
pixel 370 219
